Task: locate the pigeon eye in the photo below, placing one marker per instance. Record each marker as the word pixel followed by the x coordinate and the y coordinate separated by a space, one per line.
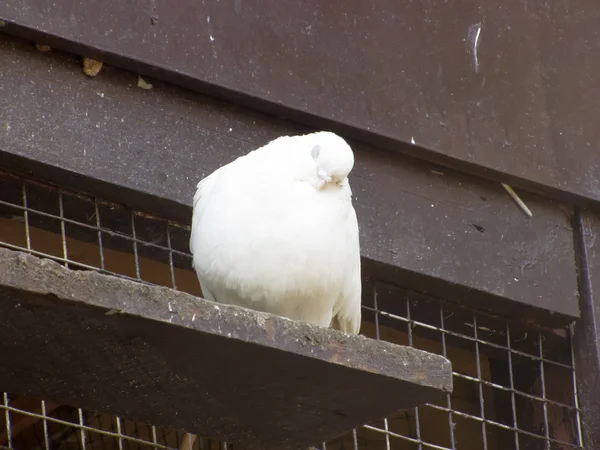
pixel 316 151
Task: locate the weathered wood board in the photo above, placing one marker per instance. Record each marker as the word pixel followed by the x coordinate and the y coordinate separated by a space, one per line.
pixel 505 89
pixel 156 355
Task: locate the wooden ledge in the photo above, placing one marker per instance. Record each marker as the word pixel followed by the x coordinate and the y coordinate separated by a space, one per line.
pixel 156 355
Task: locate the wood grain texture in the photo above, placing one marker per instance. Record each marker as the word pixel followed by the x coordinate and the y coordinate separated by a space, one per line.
pixel 440 231
pixel 155 355
pixel 506 89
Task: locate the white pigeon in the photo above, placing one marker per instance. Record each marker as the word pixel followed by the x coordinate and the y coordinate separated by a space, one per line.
pixel 275 231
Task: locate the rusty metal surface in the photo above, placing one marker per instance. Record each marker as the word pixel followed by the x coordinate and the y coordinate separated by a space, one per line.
pixel 504 89
pixel 156 355
pixel 442 232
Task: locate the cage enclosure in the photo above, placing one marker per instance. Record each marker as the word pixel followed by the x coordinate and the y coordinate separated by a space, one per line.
pixel 514 386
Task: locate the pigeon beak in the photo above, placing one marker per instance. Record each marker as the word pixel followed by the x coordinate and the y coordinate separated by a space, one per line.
pixel 323 179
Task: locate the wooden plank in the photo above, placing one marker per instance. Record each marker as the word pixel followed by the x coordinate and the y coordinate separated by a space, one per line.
pixel 587 329
pixel 509 97
pixel 155 355
pixel 443 232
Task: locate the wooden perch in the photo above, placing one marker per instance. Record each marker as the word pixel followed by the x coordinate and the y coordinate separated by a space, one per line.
pixel 152 354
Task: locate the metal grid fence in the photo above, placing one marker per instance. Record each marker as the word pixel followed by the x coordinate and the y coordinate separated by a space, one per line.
pixel 514 386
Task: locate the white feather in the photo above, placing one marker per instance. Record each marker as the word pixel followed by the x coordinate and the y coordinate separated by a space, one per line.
pixel 265 236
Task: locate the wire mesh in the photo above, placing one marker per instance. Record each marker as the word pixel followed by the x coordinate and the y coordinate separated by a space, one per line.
pixel 514 385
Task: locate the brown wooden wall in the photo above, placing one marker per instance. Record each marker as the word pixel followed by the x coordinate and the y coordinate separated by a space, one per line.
pixel 433 228
pixel 505 89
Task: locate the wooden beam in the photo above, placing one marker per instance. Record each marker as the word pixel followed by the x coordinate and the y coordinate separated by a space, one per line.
pixel 440 231
pixel 155 355
pixel 488 96
pixel 587 329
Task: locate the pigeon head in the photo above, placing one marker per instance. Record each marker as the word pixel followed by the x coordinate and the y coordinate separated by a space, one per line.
pixel 333 157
